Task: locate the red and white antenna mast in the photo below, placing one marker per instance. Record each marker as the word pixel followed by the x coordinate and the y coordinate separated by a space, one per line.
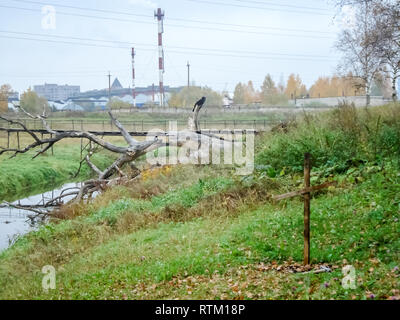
pixel 160 17
pixel 133 78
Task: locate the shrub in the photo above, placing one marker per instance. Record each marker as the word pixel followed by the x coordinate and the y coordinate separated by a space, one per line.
pixel 339 139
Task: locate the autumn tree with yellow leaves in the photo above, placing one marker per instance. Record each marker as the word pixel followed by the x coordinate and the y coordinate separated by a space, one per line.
pixel 245 93
pixel 334 86
pixel 189 95
pixel 270 94
pixel 295 87
pixel 31 102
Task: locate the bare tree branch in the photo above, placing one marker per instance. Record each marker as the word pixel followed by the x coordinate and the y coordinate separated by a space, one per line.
pixel 10 121
pixel 41 118
pixel 128 138
pixel 127 155
pixel 92 166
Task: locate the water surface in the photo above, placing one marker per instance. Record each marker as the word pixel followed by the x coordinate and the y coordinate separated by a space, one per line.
pixel 16 222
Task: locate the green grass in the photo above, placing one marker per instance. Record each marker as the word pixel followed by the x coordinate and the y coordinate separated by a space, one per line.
pixel 184 197
pixel 355 223
pixel 22 175
pixel 202 246
pixel 345 138
pixel 196 234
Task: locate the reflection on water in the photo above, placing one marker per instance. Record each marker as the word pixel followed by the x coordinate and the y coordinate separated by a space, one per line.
pixel 15 222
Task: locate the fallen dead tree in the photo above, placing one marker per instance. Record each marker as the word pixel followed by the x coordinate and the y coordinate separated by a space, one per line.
pixel 113 174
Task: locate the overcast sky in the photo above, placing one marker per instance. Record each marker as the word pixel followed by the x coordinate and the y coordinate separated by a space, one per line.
pixel 225 41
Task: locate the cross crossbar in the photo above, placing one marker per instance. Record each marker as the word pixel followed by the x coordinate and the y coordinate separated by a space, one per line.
pixel 306 193
pixel 303 191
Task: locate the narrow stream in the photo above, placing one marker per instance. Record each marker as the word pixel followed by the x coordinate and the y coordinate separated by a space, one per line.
pixel 16 222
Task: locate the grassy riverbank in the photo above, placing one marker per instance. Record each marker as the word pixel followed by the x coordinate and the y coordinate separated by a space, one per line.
pixel 22 176
pixel 194 232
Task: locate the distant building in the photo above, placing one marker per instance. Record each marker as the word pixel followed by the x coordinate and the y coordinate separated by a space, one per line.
pixel 54 92
pixel 72 107
pixel 11 106
pixel 13 96
pixel 57 105
pixel 116 85
pixel 144 95
pixel 227 101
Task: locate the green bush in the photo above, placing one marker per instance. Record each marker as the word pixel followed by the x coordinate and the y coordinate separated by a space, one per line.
pixel 336 139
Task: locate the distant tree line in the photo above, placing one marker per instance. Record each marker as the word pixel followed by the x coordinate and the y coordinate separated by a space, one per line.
pixel 29 100
pixel 271 93
pixel 189 95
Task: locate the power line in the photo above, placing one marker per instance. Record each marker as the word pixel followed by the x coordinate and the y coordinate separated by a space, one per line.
pixel 173 51
pixel 78 72
pixel 172 18
pixel 253 26
pixel 67 42
pixel 259 8
pixel 154 46
pixel 61 73
pixel 53 76
pixel 76 38
pixel 260 73
pixel 172 66
pixel 80 15
pixel 252 57
pixel 178 26
pixel 282 5
pixel 251 52
pixel 231 69
pixel 144 15
pixel 143 72
pixel 97 72
pixel 83 8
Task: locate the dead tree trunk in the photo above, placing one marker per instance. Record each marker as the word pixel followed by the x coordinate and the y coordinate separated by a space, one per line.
pixel 127 155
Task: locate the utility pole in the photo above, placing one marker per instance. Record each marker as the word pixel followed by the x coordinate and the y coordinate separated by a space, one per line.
pixel 160 18
pixel 133 78
pixel 109 89
pixel 188 74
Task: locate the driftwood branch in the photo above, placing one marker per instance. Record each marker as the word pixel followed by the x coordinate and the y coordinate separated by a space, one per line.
pixel 36 209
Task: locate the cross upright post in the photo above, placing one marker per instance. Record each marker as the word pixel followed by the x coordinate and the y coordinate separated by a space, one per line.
pixel 307 196
pixel 306 193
